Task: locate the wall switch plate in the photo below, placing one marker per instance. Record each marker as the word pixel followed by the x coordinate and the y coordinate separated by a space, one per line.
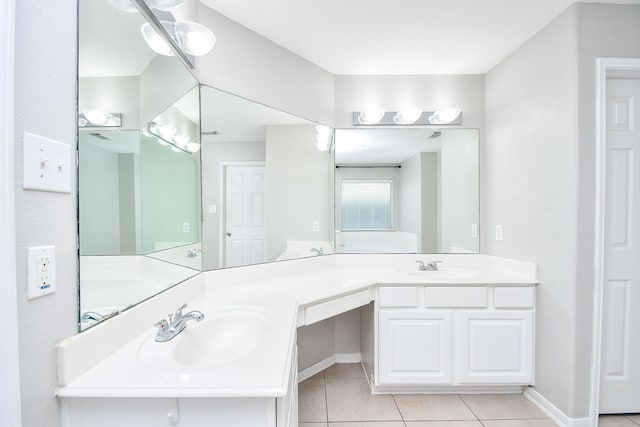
pixel 47 164
pixel 41 274
pixel 213 209
pixel 186 227
pixel 316 226
pixel 474 231
pixel 499 232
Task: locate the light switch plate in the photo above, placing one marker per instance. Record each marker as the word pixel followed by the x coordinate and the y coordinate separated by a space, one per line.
pixel 499 232
pixel 47 164
pixel 316 226
pixel 41 274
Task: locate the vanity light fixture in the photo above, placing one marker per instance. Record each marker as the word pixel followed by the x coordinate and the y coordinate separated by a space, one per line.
pixel 99 118
pixel 193 38
pixel 445 116
pixel 408 117
pixel 371 117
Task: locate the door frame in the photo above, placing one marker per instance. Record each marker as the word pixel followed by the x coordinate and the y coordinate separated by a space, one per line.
pixel 222 196
pixel 10 401
pixel 605 67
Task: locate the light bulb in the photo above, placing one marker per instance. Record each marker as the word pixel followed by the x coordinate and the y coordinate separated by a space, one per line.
pixel 97 117
pixel 82 122
pixel 444 116
pixel 166 132
pixel 370 117
pixel 155 41
pixel 407 116
pixel 176 149
pixel 193 38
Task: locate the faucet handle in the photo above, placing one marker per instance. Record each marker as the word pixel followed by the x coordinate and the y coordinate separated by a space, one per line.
pixel 421 265
pixel 178 315
pixel 162 325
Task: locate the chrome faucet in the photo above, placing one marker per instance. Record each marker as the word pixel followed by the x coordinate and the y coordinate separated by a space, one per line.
pixel 91 315
pixel 168 329
pixel 429 266
pixel 191 253
pixel 318 251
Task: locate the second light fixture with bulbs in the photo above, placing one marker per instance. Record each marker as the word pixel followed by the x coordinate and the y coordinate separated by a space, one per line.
pixel 408 116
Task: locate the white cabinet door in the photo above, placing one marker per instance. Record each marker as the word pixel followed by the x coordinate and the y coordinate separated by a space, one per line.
pixel 414 347
pixel 496 347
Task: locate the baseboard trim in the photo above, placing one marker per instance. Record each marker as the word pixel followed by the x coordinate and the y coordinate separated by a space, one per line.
pixel 553 412
pixel 325 363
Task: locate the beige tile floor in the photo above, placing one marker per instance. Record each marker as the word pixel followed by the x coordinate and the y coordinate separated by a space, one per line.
pixel 339 397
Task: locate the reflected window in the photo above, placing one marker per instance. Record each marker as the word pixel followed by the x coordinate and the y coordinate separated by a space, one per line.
pixel 366 205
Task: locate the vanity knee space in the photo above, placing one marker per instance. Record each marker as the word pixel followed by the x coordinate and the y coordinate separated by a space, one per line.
pixel 453 336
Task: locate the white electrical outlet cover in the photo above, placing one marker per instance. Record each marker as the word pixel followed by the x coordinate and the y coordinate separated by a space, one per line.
pixel 41 274
pixel 47 164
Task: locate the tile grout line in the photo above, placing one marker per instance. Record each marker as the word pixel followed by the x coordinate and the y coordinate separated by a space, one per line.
pixel 469 408
pixel 393 397
pixel 326 401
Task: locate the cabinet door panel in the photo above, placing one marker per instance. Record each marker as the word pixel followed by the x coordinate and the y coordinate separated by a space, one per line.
pixel 414 347
pixel 496 347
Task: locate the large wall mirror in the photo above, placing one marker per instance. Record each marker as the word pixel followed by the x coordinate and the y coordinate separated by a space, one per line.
pixel 407 190
pixel 267 183
pixel 139 164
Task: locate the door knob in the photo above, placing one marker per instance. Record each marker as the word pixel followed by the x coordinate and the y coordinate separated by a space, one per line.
pixel 228 234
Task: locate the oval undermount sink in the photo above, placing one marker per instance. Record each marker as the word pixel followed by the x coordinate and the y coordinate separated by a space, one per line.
pixel 225 335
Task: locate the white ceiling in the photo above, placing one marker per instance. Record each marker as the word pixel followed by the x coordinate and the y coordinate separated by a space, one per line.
pixel 379 146
pixel 398 36
pixel 238 119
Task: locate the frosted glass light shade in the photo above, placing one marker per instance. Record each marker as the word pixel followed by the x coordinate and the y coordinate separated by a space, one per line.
pixel 407 116
pixel 98 117
pixel 370 117
pixel 444 116
pixel 195 39
pixel 154 40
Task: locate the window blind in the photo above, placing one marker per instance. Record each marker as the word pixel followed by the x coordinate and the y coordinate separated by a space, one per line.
pixel 366 205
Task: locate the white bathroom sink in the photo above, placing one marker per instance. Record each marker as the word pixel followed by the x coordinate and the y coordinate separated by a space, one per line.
pixel 224 336
pixel 444 273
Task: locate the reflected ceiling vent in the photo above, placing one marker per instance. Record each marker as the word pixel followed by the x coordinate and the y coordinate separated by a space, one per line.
pixel 451 116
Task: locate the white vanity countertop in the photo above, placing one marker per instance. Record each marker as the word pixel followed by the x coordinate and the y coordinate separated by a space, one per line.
pixel 265 371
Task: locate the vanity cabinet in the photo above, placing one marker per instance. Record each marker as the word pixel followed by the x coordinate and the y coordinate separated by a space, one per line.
pixel 185 412
pixel 454 335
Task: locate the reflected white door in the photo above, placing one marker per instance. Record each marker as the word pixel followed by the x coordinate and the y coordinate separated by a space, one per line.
pixel 244 215
pixel 620 378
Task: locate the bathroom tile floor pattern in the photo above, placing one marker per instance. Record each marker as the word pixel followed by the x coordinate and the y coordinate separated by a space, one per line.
pixel 339 397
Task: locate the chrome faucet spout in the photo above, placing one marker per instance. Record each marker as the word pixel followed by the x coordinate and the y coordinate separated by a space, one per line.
pixel 318 251
pixel 168 329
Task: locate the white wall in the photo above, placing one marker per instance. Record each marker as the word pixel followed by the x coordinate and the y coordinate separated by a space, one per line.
pixel 249 65
pixel 297 187
pixel 113 94
pixel 530 180
pixel 45 98
pixel 539 180
pixel 603 31
pixel 100 200
pixel 9 367
pixel 459 191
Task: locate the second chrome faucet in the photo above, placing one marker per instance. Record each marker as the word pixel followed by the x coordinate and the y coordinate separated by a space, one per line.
pixel 428 266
